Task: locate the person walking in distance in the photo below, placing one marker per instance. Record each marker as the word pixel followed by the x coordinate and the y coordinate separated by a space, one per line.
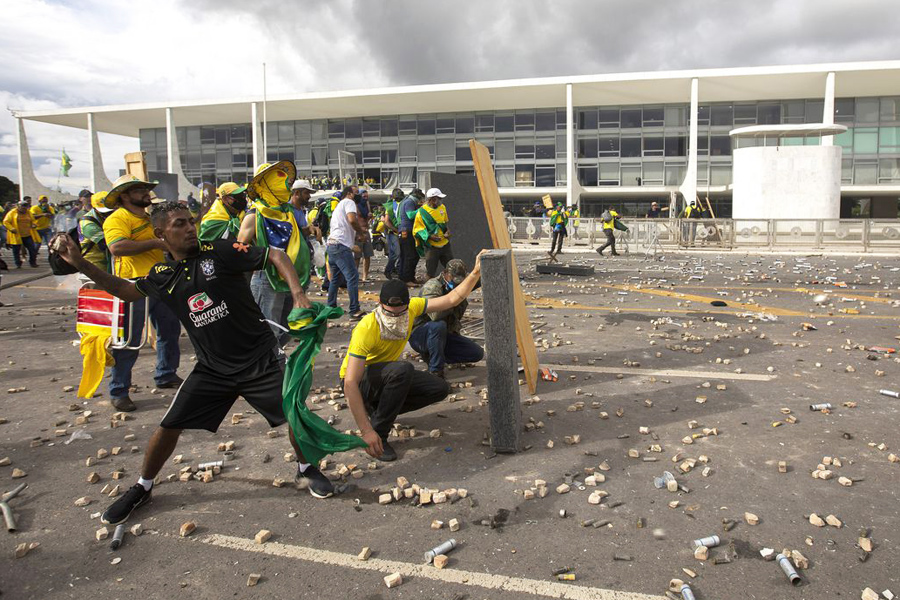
pixel 608 218
pixel 409 255
pixel 432 231
pixel 344 227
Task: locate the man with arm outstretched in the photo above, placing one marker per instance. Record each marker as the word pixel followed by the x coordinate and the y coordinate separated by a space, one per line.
pixel 237 354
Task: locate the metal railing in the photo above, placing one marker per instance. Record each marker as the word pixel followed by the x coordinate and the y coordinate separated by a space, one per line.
pixel 854 235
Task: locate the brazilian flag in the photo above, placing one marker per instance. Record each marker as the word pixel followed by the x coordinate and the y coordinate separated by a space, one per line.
pixel 314 435
pixel 218 223
pixel 65 163
pixel 430 222
pixel 277 228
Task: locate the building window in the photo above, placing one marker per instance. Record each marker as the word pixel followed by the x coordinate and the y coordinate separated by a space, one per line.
pixel 865 140
pixel 465 125
pixel 609 118
pixel 545 149
pixel 676 146
pixel 587 148
pixel 371 128
pixel 889 139
pixel 545 176
pixel 587 176
pixel 587 119
pixel 631 118
pixel 425 127
pixel 484 124
pixel 720 145
pixel 545 121
pixel 630 147
pixel 524 121
pixel 867 110
pixel 745 114
pixel 864 173
pixel 609 173
pixel 890 110
pixel 608 146
pixel 445 125
pixel 503 123
pixel 653 117
pixel 843 110
pixel 389 128
pixel 407 127
pixel 889 170
pixel 676 116
pixel 653 146
pixel 335 130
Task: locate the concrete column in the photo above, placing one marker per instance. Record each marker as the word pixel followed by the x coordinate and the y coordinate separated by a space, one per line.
pixel 500 351
pixel 257 137
pixel 171 142
pixel 688 188
pixel 570 149
pixel 828 110
pixel 23 156
pixel 99 180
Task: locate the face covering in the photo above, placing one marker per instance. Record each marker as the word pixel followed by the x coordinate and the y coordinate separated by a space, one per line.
pixel 392 327
pixel 239 204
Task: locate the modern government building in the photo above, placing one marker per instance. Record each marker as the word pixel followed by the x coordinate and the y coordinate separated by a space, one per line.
pixel 815 141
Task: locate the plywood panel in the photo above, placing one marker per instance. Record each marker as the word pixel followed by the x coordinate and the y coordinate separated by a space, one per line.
pixel 493 210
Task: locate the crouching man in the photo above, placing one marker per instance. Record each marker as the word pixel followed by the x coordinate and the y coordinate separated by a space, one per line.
pixel 436 335
pixel 379 387
pixel 237 354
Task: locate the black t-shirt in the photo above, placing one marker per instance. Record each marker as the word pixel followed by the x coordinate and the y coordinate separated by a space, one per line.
pixel 653 213
pixel 210 296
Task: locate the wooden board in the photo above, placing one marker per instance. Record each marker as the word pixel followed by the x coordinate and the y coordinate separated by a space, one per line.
pixel 547 200
pixel 136 165
pixel 493 210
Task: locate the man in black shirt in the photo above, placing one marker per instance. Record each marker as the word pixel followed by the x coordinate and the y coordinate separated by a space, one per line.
pixel 237 354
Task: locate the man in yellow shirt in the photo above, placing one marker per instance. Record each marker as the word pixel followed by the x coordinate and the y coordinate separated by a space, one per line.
pixel 135 250
pixel 608 218
pixel 20 232
pixel 431 228
pixel 378 386
pixel 43 213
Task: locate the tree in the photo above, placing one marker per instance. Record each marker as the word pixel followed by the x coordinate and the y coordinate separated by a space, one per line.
pixel 9 190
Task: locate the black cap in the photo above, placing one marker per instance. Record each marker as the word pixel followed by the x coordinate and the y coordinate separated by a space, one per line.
pixel 394 293
pixel 84 193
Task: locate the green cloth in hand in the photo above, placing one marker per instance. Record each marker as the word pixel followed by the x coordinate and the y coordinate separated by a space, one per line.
pixel 315 437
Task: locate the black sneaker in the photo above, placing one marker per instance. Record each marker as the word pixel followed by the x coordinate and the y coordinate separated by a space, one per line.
pixel 388 454
pixel 124 404
pixel 172 383
pixel 356 316
pixel 319 485
pixel 122 508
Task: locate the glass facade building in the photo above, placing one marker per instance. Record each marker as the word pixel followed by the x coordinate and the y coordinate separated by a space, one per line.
pixel 615 145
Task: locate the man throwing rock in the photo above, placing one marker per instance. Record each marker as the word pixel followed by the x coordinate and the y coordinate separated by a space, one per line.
pixel 237 354
pixel 377 385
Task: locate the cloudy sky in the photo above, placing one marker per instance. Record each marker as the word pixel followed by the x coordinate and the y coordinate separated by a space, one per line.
pixel 68 53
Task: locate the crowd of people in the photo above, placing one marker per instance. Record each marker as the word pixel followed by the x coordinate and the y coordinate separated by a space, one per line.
pixel 235 282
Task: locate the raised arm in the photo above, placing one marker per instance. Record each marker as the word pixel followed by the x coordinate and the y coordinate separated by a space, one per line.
pixel 247 234
pixel 282 264
pixel 460 292
pixel 356 368
pixel 124 289
pixel 134 247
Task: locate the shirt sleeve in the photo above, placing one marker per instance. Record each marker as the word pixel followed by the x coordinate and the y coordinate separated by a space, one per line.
pixel 237 257
pixel 115 229
pixel 91 231
pixel 350 207
pixel 154 283
pixel 417 307
pixel 358 346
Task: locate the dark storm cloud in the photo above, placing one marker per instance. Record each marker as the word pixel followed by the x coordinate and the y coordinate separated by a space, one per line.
pixel 416 41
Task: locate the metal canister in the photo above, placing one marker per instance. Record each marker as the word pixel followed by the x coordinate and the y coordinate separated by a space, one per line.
pixel 118 535
pixel 438 550
pixel 566 577
pixel 821 406
pixel 210 465
pixel 786 566
pixel 710 542
pixel 686 592
pixel 890 393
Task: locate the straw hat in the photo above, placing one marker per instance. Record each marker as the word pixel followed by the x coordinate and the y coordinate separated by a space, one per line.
pixel 265 170
pixel 123 183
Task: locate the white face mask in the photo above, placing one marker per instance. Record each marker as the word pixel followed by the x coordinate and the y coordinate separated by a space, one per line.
pixel 392 327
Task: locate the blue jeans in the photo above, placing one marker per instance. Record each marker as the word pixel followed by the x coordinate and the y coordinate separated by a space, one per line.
pixel 19 252
pixel 438 346
pixel 393 248
pixel 275 306
pixel 168 354
pixel 45 234
pixel 342 263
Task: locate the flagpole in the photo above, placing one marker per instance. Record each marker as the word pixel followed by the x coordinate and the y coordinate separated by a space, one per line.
pixel 265 156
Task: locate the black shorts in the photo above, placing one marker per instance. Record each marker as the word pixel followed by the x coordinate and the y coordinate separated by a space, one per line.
pixel 205 397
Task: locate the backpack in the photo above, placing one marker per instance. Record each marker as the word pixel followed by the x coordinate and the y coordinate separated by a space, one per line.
pixel 606 216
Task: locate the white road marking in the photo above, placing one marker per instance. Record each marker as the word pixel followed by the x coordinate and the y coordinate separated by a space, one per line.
pixel 663 372
pixel 521 585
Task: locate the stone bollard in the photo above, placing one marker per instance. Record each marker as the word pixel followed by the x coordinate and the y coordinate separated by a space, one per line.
pixel 500 351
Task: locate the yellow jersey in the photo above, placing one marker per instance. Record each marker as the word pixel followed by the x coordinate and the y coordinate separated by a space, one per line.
pixel 366 342
pixel 124 225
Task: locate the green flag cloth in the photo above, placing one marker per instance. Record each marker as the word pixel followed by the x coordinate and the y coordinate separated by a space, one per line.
pixel 65 163
pixel 315 437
